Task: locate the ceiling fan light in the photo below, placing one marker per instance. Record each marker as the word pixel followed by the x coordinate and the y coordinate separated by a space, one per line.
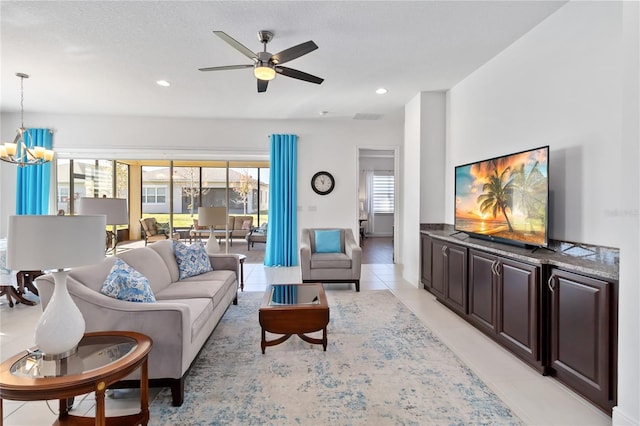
pixel 264 73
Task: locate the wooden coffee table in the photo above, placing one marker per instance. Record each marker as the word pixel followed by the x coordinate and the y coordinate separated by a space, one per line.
pixel 102 359
pixel 294 309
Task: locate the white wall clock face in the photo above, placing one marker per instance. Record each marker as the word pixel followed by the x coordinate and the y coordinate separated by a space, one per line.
pixel 323 183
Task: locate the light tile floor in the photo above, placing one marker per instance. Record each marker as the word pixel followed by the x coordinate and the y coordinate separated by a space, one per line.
pixel 536 399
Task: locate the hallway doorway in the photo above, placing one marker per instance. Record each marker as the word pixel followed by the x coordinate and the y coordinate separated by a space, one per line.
pixel 377 250
pixel 376 205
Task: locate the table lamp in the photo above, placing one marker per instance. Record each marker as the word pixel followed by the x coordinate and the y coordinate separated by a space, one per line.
pixel 213 216
pixel 114 208
pixel 55 243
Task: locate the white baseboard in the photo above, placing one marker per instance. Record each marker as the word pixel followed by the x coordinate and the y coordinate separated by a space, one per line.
pixel 619 418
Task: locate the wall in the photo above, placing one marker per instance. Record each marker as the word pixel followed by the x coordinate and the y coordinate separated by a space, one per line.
pixel 322 145
pixel 7 195
pixel 556 86
pixel 423 173
pixel 432 165
pixel 627 216
pixel 409 178
pixel 565 84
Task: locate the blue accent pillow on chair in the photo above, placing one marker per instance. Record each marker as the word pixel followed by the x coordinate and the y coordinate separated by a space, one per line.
pixel 192 260
pixel 125 283
pixel 328 241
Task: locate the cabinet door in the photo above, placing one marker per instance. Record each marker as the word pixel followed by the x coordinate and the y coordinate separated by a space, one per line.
pixel 456 278
pixel 518 308
pixel 580 334
pixel 425 261
pixel 482 290
pixel 438 276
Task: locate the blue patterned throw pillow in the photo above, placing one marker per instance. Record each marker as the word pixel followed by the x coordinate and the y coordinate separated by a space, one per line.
pixel 192 260
pixel 125 283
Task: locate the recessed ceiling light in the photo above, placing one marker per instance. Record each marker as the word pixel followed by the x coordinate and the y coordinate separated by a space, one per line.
pixel 163 83
pixel 381 91
pixel 324 112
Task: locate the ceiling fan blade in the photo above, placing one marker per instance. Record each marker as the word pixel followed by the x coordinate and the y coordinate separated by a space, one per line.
pixel 262 85
pixel 290 72
pixel 237 45
pixel 226 67
pixel 293 52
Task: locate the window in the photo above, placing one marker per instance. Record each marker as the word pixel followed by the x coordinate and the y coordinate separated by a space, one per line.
pixel 63 193
pixel 92 178
pixel 186 184
pixel 89 178
pixel 122 180
pixel 154 195
pixel 168 195
pixel 63 198
pixel 383 193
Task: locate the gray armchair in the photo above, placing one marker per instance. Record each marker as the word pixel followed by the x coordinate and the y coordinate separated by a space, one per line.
pixel 339 266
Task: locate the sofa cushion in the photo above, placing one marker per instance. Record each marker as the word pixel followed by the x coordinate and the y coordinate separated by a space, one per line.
pixel 165 250
pixel 163 228
pixel 200 312
pixel 125 283
pixel 257 236
pixel 150 264
pixel 213 285
pixel 330 261
pixel 328 241
pixel 239 223
pixel 92 276
pixel 199 227
pixel 192 260
pixel 149 225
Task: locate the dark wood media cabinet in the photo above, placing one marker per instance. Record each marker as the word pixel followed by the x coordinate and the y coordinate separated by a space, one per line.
pixel 555 310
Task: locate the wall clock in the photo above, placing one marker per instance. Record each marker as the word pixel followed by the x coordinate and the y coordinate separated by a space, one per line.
pixel 323 183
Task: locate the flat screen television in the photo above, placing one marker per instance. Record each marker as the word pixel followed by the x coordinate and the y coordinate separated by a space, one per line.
pixel 505 198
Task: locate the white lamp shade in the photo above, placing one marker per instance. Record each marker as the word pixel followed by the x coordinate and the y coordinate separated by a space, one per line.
pixel 54 242
pixel 114 208
pixel 212 216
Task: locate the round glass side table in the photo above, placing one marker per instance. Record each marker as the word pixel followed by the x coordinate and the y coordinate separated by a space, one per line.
pixel 102 359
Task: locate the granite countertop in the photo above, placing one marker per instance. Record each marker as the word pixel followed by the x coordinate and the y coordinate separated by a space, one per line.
pixel 589 259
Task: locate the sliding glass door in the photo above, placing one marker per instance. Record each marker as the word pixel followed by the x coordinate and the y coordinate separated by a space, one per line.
pixel 170 191
pixel 89 178
pixel 249 192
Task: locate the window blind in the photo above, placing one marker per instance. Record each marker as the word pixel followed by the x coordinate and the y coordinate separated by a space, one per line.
pixel 383 193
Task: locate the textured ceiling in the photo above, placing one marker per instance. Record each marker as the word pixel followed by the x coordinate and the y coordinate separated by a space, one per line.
pixel 104 57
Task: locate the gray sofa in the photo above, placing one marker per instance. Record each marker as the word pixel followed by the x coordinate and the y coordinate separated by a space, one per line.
pixel 179 323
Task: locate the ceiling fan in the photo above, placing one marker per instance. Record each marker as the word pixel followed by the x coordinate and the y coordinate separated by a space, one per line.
pixel 265 65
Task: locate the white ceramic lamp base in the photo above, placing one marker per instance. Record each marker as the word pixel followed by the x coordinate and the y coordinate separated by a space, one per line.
pixel 212 244
pixel 61 326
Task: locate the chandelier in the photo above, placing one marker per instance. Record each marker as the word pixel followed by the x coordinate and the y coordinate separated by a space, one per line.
pixel 22 150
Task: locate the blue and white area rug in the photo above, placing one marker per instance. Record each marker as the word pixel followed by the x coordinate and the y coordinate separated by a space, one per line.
pixel 381 367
